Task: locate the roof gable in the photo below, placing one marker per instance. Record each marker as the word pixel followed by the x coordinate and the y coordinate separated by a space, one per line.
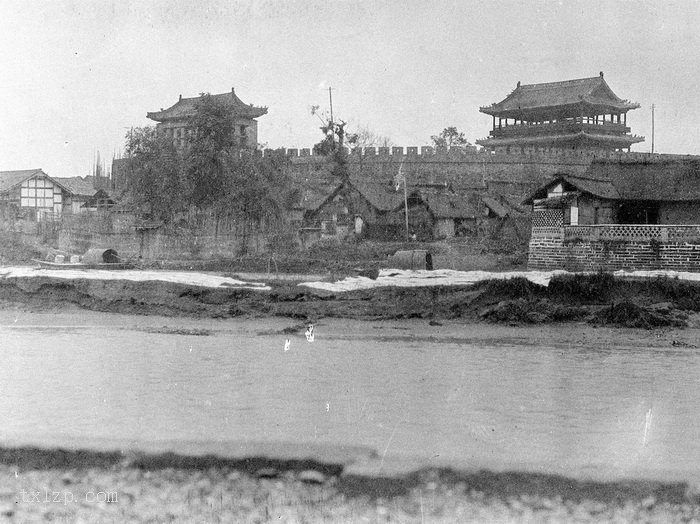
pixel 11 179
pixel 185 107
pixel 444 203
pixel 598 187
pixel 593 90
pixel 381 196
pixel 659 180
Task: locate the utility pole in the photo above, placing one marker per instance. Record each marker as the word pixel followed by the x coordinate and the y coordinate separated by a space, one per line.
pixel 330 97
pixel 405 204
pixel 402 178
pixel 652 129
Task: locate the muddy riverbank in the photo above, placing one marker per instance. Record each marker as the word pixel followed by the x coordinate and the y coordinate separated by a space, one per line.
pixel 600 299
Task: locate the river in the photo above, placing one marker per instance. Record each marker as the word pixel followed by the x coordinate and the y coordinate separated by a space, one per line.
pixel 560 398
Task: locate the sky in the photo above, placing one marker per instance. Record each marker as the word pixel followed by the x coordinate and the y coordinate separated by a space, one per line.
pixel 76 75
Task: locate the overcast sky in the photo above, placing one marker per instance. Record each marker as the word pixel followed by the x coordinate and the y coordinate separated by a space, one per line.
pixel 77 75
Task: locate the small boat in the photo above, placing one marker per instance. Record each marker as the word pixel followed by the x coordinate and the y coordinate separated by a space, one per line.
pixel 46 264
pixel 94 258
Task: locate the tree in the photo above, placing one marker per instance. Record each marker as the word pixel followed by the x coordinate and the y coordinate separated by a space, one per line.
pixel 364 137
pixel 259 195
pixel 210 141
pixel 449 137
pixel 215 173
pixel 225 175
pixel 154 173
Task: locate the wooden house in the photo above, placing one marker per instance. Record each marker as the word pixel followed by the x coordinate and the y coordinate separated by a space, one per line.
pixel 31 194
pixel 377 209
pixel 619 215
pixel 659 191
pixel 81 190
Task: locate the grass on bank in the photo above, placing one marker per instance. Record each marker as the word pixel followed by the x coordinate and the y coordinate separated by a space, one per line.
pixel 601 298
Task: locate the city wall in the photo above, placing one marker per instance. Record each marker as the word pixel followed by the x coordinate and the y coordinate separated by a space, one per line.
pixel 511 175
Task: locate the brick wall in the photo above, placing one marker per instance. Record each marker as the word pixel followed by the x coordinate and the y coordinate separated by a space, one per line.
pixel 661 247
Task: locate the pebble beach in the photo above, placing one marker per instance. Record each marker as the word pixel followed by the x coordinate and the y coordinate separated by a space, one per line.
pixel 52 486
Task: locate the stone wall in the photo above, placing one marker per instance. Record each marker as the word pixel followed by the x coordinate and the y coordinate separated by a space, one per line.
pixel 616 247
pixel 135 240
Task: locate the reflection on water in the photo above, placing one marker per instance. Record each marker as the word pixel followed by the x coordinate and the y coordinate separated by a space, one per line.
pixel 433 397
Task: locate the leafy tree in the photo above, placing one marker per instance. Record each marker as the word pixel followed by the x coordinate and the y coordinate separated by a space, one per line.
pixel 213 173
pixel 154 175
pixel 260 195
pixel 211 140
pixel 334 138
pixel 225 175
pixel 449 137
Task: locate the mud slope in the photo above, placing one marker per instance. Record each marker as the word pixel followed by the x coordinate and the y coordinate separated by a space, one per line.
pixel 657 302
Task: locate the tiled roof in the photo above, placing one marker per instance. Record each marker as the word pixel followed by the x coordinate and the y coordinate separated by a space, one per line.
pixel 497 207
pixel 446 204
pixel 312 196
pixel 381 195
pixel 185 108
pixel 79 185
pixel 599 187
pixel 672 180
pixel 582 137
pixel 594 91
pixel 10 179
pixel 442 201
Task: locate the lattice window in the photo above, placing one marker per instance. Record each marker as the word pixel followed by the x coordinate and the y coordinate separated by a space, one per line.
pixel 548 218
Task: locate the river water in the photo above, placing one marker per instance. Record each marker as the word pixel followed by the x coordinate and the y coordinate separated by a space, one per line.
pixel 559 398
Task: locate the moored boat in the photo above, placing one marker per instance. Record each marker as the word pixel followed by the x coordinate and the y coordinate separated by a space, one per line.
pixel 46 264
pixel 94 258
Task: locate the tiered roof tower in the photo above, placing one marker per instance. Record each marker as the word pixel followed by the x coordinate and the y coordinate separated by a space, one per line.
pixel 583 114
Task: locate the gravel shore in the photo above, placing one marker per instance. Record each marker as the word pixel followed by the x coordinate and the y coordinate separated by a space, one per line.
pixel 60 486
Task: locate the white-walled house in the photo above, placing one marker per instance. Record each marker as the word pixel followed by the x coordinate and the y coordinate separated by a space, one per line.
pixel 32 194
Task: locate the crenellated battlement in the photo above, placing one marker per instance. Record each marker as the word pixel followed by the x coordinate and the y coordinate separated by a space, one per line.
pixel 471 154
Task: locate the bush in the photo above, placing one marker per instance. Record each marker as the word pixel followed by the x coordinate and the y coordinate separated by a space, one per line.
pixel 532 311
pixel 684 294
pixel 628 314
pixel 518 287
pixel 584 288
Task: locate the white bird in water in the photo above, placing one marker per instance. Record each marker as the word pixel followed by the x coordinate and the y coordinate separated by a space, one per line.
pixel 286 345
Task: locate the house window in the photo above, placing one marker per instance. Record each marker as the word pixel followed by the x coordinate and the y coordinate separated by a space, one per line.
pixel 573 218
pixel 632 212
